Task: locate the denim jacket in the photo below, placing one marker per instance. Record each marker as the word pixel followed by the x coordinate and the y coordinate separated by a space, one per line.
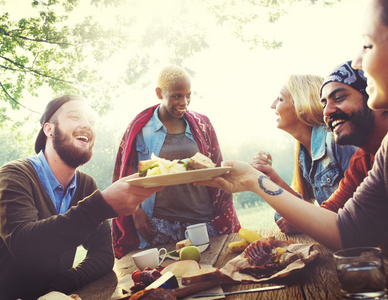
pixel 328 165
pixel 150 140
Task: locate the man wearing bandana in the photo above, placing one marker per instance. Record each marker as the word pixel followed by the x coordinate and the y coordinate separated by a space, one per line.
pixel 352 122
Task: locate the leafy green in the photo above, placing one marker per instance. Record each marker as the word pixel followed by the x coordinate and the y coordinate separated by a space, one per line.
pixel 144 172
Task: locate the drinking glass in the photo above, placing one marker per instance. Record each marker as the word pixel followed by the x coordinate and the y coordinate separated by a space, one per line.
pixel 361 273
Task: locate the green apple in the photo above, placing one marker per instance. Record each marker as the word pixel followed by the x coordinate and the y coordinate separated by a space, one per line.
pixel 190 253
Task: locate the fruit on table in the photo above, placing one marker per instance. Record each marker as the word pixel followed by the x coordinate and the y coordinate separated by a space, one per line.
pixel 150 276
pixel 144 278
pixel 180 268
pixel 190 253
pixel 136 276
pixel 238 246
pixel 276 253
pixel 249 235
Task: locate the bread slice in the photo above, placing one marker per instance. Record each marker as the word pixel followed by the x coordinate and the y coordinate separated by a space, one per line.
pixel 144 164
pixel 200 275
pixel 180 268
pixel 59 296
pixel 200 161
pixel 183 243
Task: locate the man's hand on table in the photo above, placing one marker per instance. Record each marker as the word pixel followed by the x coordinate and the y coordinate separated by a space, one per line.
pixel 143 224
pixel 286 227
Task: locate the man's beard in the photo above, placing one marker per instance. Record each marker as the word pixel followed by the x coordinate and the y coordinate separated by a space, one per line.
pixel 71 155
pixel 362 125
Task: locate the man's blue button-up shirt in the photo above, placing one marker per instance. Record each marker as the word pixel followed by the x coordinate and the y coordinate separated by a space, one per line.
pixel 60 197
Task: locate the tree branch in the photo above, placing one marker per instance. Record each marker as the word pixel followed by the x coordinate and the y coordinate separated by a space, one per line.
pixel 38 40
pixel 7 68
pixel 34 71
pixel 14 100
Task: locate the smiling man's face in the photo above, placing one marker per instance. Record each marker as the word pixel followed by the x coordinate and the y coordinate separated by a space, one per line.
pixel 346 114
pixel 74 133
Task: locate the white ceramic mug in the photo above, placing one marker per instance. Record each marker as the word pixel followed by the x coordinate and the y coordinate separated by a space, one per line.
pixel 197 233
pixel 151 258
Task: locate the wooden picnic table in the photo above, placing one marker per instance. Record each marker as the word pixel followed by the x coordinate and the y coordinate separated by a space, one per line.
pixel 318 280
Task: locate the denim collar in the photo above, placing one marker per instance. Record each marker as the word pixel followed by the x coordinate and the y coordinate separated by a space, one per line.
pixel 158 125
pixel 47 176
pixel 318 139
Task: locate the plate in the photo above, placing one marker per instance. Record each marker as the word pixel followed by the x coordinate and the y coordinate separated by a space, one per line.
pixel 201 248
pixel 179 178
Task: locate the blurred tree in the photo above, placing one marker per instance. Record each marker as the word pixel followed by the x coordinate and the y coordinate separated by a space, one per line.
pixel 282 152
pixel 14 144
pixel 100 167
pixel 46 49
pixel 61 46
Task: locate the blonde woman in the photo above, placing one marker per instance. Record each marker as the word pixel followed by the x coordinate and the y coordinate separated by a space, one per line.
pixel 363 220
pixel 319 162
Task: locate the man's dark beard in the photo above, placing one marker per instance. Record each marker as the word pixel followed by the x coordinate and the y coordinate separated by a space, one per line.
pixel 363 124
pixel 70 154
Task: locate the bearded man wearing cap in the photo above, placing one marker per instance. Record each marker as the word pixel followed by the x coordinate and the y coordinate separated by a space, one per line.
pixel 48 208
pixel 352 122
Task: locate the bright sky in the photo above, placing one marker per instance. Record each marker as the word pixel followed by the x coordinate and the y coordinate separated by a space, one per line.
pixel 235 86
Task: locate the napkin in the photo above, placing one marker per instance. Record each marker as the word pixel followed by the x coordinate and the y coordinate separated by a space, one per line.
pixel 231 269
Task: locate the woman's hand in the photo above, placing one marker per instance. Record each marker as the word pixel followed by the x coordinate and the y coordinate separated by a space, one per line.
pixel 242 177
pixel 262 158
pixel 262 162
pixel 143 224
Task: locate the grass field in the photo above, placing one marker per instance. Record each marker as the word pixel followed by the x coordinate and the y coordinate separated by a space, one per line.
pixel 257 217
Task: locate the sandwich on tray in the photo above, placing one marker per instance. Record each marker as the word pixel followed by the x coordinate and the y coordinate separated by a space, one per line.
pixel 160 166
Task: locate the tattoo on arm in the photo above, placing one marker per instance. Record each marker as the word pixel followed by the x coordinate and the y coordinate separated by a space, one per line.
pixel 272 193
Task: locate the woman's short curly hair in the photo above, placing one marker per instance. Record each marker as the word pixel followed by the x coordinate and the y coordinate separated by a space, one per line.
pixel 171 74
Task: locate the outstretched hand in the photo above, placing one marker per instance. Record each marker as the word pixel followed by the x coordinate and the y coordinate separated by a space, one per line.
pixel 240 178
pixel 125 198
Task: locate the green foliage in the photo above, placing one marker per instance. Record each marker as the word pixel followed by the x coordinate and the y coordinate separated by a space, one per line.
pixel 100 167
pixel 62 48
pixel 14 144
pixel 45 49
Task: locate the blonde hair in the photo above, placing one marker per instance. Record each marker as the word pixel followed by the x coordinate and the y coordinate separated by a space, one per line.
pixel 170 75
pixel 304 92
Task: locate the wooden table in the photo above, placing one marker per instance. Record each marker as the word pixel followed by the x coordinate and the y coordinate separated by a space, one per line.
pixel 318 280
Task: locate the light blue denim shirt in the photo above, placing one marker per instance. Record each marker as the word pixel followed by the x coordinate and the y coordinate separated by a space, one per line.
pixel 328 165
pixel 150 140
pixel 54 189
pixel 325 170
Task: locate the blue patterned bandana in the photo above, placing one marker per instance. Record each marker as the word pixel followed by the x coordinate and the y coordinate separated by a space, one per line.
pixel 346 74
